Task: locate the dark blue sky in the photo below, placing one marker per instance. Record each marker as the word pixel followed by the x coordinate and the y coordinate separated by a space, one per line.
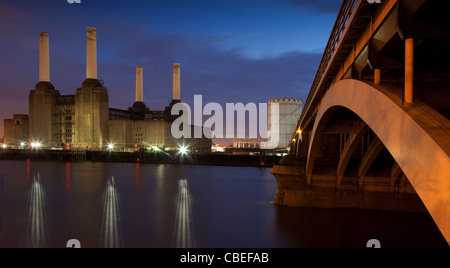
pixel 229 50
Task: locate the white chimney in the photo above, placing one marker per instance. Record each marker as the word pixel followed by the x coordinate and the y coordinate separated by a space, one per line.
pixel 44 58
pixel 91 53
pixel 139 84
pixel 176 81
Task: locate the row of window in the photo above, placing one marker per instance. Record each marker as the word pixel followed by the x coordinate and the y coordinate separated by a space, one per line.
pixel 67 118
pixel 248 145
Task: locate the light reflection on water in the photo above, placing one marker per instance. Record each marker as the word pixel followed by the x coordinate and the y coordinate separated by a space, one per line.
pixel 111 230
pixel 68 177
pixel 44 204
pixel 138 177
pixel 37 230
pixel 183 232
pixel 2 183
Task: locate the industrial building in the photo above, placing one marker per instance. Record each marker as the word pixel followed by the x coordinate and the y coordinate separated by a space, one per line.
pixel 248 143
pixel 288 115
pixel 85 121
pixel 281 124
pixel 16 129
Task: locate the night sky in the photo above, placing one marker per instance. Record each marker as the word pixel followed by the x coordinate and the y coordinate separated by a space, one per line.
pixel 229 50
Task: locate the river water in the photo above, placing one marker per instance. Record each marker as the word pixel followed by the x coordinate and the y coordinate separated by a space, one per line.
pixel 45 204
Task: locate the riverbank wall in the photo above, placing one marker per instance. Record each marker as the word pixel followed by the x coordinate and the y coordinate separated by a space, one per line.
pixel 212 159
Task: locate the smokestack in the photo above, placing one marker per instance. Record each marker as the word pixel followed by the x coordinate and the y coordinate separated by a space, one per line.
pixel 91 53
pixel 176 81
pixel 139 85
pixel 44 58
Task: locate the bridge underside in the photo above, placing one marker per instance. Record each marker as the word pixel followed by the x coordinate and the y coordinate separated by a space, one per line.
pixel 383 143
pixel 367 150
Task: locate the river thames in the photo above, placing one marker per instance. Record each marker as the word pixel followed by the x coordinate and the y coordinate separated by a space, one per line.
pixel 45 204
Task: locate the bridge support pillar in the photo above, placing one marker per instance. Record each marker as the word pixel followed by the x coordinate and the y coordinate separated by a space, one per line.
pixel 409 70
pixel 377 76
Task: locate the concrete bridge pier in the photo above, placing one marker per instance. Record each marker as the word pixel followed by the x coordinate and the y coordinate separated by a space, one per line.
pixel 369 152
pixel 326 191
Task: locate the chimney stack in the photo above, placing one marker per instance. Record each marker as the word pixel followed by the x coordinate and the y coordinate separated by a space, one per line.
pixel 44 58
pixel 139 85
pixel 91 53
pixel 176 81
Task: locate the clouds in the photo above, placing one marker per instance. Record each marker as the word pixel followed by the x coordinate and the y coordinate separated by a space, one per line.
pixel 219 75
pixel 12 24
pixel 229 51
pixel 11 17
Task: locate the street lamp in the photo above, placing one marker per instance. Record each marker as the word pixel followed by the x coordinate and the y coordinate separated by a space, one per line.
pixel 183 150
pixel 35 145
pixel 110 146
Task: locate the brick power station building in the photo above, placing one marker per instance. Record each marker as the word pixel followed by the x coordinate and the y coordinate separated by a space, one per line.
pixel 85 120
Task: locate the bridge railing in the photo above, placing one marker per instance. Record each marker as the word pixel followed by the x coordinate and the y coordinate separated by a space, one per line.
pixel 337 33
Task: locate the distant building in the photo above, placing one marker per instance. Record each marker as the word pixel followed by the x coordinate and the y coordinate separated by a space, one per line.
pixel 289 113
pixel 85 120
pixel 247 143
pixel 287 118
pixel 217 148
pixel 16 130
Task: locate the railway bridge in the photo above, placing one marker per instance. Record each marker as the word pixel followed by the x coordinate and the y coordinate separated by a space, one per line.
pixel 374 132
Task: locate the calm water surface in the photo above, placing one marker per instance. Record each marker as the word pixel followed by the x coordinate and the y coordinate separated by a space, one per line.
pixel 44 204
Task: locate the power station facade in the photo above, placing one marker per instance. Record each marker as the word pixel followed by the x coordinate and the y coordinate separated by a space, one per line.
pixel 85 120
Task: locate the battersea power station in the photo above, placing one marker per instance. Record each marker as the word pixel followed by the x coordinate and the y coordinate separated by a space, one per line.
pixel 85 121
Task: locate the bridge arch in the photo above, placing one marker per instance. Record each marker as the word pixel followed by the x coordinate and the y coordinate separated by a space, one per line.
pixel 416 136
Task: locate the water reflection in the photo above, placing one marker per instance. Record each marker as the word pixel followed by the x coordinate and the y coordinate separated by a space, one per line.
pixel 1 185
pixel 36 215
pixel 68 177
pixel 28 169
pixel 230 206
pixel 183 232
pixel 137 183
pixel 160 175
pixel 1 226
pixel 349 228
pixel 111 231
